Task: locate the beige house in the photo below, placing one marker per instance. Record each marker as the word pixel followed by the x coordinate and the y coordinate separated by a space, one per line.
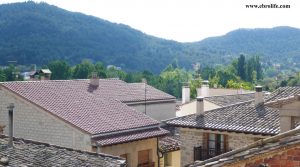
pixel 92 115
pixel 207 134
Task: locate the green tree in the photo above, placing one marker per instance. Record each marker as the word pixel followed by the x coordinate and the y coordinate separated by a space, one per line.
pixel 241 67
pixel 60 70
pixel 100 69
pixel 2 75
pixel 10 73
pixel 83 70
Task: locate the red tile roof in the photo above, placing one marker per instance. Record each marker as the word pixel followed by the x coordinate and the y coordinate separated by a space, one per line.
pixel 130 136
pixel 94 110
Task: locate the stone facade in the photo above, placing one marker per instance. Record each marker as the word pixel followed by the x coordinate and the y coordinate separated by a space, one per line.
pixel 32 122
pixel 238 140
pixel 132 149
pixel 191 138
pixel 159 111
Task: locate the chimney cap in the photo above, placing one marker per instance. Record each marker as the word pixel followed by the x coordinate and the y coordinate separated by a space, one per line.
pixel 200 98
pixel 258 88
pixel 185 86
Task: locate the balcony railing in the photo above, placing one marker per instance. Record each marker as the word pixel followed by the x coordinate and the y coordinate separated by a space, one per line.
pixel 148 164
pixel 203 154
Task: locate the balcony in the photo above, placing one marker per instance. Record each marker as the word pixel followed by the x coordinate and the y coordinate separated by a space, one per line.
pixel 149 164
pixel 203 154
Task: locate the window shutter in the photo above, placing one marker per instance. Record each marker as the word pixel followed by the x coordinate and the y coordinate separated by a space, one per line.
pixel 205 141
pixel 226 146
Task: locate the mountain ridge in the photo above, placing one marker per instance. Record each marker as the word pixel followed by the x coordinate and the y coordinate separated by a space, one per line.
pixel 36 33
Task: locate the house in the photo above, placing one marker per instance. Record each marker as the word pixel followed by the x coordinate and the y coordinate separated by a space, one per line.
pixel 169 148
pixel 31 153
pixel 95 115
pixel 280 150
pixel 213 98
pixel 42 74
pixel 207 134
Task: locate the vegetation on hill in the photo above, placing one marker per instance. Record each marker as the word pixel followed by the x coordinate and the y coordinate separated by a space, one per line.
pixel 170 80
pixel 37 33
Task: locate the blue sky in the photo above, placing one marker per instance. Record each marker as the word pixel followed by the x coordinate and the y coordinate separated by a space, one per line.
pixel 185 20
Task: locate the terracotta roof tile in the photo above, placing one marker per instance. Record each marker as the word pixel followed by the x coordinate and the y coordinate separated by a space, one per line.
pixel 238 118
pixel 225 100
pixel 94 110
pixel 169 143
pixel 30 153
pixel 283 92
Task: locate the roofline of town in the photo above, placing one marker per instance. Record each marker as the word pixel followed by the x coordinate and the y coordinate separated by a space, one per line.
pixel 125 131
pixel 260 142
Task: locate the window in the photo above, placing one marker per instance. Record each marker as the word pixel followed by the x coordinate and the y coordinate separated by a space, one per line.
pixel 144 159
pixel 216 144
pixel 213 145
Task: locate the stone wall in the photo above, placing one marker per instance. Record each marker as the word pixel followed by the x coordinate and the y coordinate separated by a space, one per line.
pixel 238 140
pixel 132 149
pixel 32 122
pixel 190 139
pixel 159 111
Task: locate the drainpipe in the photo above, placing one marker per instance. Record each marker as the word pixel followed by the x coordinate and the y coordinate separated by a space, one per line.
pixel 10 119
pixel 159 154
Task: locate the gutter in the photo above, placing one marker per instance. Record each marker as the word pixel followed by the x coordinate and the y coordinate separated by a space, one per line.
pixel 250 146
pixel 125 131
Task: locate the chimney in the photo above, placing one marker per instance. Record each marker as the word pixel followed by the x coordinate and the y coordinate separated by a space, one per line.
pixel 94 81
pixel 10 124
pixel 259 97
pixel 204 89
pixel 200 105
pixel 185 94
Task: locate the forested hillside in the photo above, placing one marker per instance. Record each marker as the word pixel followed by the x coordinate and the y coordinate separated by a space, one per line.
pixel 36 33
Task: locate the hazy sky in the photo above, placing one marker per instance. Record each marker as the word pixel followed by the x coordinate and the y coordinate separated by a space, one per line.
pixel 186 20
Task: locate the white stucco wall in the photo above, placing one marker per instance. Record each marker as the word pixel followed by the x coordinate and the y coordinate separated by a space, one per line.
pixel 190 108
pixel 32 122
pixel 159 111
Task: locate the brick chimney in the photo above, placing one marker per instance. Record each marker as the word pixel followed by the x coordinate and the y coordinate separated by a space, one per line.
pixel 94 81
pixel 259 97
pixel 185 94
pixel 200 105
pixel 204 89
